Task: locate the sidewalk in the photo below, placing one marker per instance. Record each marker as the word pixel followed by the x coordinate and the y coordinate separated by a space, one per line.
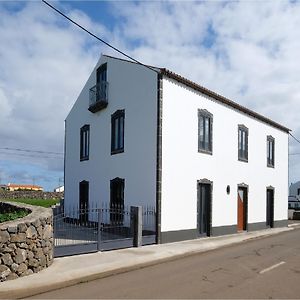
pixel 67 271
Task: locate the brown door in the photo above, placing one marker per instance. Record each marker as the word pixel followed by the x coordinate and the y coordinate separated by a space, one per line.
pixel 242 207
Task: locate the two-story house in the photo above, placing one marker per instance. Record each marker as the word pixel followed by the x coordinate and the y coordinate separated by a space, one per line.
pixel 147 136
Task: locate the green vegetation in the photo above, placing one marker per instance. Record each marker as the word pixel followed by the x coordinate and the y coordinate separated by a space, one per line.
pixel 37 202
pixel 4 217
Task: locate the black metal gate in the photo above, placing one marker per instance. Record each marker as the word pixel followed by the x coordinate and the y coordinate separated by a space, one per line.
pixel 103 228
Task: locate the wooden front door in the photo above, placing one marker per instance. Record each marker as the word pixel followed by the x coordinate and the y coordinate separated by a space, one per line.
pixel 242 209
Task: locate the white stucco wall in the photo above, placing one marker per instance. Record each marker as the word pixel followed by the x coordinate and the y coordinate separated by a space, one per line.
pixel 182 165
pixel 133 88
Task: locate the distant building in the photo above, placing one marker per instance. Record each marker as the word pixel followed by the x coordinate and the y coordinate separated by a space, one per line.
pixel 294 189
pixel 294 195
pixel 3 187
pixel 59 189
pixel 23 187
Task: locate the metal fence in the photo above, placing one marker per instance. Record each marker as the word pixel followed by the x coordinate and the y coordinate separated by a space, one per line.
pixel 99 227
pixel 99 93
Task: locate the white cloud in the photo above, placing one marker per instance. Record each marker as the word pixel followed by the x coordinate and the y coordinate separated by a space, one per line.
pixel 252 58
pixel 246 50
pixel 44 64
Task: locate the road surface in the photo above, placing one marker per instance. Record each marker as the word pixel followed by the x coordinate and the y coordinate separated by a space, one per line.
pixel 261 268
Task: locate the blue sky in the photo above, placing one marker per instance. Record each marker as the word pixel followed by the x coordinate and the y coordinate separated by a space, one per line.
pixel 244 50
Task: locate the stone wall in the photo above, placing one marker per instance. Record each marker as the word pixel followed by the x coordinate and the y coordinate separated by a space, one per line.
pixel 26 244
pixel 30 194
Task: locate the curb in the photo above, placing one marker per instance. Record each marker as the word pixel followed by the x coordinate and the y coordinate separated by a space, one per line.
pixel 294 225
pixel 66 280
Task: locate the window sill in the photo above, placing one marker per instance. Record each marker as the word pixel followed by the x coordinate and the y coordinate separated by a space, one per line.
pixel 205 151
pixel 117 151
pixel 84 158
pixel 271 166
pixel 243 160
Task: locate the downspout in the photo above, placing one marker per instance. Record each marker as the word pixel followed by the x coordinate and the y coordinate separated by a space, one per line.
pixel 65 147
pixel 159 157
pixel 288 170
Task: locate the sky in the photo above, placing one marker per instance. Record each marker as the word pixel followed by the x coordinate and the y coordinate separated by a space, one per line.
pixel 245 50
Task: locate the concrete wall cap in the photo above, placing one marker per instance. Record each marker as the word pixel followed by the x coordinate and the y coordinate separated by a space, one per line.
pixel 36 212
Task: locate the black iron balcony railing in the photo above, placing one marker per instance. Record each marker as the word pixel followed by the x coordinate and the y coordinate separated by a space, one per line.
pixel 98 96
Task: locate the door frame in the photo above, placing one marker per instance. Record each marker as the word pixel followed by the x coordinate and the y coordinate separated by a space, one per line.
pixel 245 188
pixel 84 216
pixel 271 188
pixel 117 213
pixel 209 231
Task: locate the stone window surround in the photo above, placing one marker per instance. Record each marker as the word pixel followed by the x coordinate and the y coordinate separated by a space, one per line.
pixel 206 114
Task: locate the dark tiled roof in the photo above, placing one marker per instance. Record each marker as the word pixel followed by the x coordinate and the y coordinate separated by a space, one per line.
pixel 212 94
pixel 222 99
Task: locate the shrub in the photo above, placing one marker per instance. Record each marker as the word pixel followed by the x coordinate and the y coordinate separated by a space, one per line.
pixel 4 217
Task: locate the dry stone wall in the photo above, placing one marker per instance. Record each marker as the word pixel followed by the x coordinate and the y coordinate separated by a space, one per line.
pixel 30 194
pixel 26 245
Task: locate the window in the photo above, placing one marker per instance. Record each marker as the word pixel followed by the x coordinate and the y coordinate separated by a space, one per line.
pixel 205 119
pixel 117 132
pixel 84 142
pixel 270 151
pixel 101 83
pixel 243 143
pixel 117 200
pixel 298 191
pixel 102 73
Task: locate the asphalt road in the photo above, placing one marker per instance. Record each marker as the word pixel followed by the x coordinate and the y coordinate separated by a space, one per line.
pixel 261 268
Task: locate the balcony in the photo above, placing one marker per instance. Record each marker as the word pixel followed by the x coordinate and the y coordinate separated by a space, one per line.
pixel 98 96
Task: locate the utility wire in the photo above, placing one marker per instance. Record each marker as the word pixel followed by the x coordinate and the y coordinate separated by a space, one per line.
pixel 294 138
pixel 31 151
pixel 28 155
pixel 98 38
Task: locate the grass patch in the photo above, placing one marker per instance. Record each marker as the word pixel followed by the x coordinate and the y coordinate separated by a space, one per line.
pixel 13 215
pixel 36 202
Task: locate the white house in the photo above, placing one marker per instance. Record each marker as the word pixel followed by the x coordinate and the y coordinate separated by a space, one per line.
pixel 59 189
pixel 147 136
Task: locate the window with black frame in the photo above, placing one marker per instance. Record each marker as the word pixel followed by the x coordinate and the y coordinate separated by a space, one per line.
pixel 84 142
pixel 117 131
pixel 205 120
pixel 270 151
pixel 101 83
pixel 243 143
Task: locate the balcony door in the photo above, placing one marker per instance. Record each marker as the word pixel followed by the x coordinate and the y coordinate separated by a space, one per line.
pixel 101 90
pixel 101 73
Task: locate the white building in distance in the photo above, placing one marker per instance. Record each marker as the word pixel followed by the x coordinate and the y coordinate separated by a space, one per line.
pixel 147 136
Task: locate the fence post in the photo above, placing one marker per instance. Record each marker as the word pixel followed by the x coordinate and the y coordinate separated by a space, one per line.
pixel 136 225
pixel 99 229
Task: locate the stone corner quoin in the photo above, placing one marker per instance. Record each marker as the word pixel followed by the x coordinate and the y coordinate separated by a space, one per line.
pixel 26 244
